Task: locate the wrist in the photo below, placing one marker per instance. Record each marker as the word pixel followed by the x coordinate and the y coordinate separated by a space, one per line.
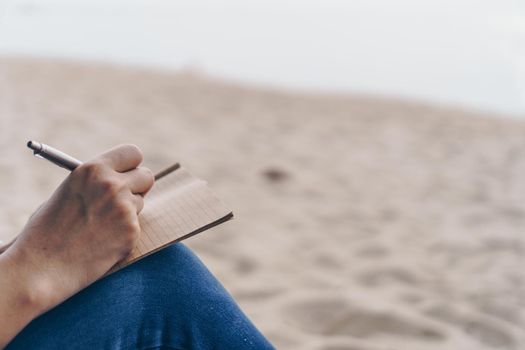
pixel 19 302
pixel 29 290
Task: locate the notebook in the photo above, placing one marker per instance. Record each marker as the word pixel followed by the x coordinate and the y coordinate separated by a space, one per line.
pixel 178 206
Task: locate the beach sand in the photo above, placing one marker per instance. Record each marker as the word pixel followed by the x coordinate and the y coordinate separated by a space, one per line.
pixel 361 223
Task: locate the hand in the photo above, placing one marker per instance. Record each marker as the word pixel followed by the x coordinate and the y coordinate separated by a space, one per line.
pixel 89 224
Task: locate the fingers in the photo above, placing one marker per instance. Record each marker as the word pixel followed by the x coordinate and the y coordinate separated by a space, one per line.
pixel 125 160
pixel 139 180
pixel 138 202
pixel 122 158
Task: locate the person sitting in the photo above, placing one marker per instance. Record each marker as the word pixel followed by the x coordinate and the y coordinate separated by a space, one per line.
pixel 53 296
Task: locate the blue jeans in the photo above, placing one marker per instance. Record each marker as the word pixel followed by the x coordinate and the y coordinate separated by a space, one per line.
pixel 168 300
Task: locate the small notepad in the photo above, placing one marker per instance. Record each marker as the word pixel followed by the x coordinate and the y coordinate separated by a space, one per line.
pixel 178 206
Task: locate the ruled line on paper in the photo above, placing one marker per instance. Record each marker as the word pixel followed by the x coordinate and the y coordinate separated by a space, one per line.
pixel 178 205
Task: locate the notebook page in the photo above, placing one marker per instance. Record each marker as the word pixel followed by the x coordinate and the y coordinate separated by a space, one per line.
pixel 178 205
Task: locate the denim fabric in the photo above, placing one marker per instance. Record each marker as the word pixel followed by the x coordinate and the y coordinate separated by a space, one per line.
pixel 168 300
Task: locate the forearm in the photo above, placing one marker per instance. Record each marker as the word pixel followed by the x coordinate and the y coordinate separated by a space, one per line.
pixel 88 224
pixel 19 301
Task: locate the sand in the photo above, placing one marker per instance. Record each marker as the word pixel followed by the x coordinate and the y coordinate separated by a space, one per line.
pixel 361 223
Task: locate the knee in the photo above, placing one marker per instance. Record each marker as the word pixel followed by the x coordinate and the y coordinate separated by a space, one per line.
pixel 174 275
pixel 166 298
pixel 172 267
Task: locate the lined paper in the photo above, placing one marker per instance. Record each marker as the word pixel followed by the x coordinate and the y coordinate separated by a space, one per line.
pixel 178 206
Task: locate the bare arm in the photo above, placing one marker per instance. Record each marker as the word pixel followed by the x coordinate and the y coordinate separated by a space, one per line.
pixel 88 225
pixel 19 303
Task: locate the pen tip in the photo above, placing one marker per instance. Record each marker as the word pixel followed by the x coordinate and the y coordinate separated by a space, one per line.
pixel 35 146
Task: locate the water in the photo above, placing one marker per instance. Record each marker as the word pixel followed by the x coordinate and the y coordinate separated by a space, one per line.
pixel 469 53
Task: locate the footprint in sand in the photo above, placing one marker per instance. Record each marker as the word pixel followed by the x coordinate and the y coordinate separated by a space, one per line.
pixel 499 309
pixel 274 174
pixel 386 275
pixel 372 251
pixel 328 261
pixel 411 298
pixel 349 344
pixel 345 347
pixel 478 327
pixel 335 316
pixel 256 294
pixel 245 265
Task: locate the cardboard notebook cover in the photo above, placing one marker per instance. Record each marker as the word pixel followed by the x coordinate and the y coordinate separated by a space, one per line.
pixel 178 206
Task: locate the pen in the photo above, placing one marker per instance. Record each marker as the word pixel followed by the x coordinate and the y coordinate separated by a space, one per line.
pixel 53 155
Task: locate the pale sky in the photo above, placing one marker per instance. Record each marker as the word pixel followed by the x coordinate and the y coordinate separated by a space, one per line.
pixel 468 53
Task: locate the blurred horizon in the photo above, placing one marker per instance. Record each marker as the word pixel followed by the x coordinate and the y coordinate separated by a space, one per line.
pixel 464 53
